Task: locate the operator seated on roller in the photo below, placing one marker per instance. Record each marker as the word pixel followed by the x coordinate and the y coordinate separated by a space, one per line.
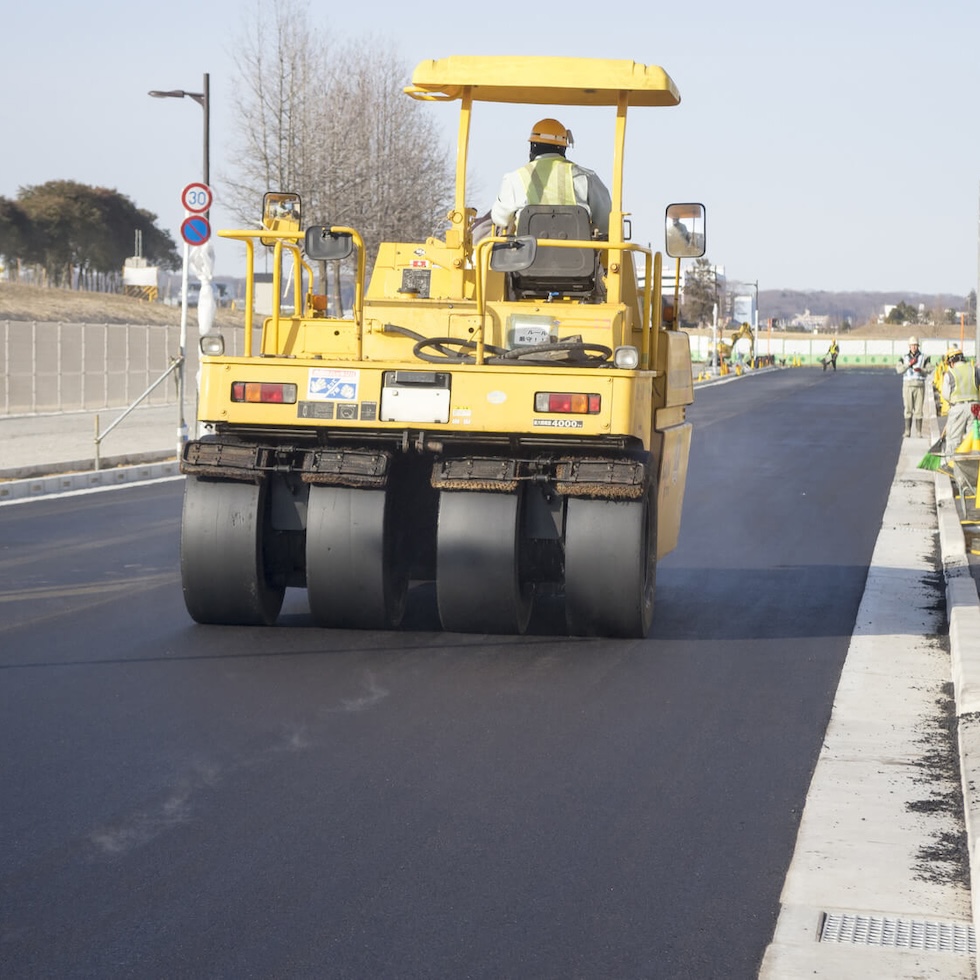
pixel 551 178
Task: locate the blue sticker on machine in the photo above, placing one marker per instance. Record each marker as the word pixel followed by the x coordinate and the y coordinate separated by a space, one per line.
pixel 334 384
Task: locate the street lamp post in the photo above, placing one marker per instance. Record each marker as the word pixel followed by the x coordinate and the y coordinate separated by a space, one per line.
pixel 203 99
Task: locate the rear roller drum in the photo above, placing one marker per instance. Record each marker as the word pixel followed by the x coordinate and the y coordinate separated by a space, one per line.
pixel 223 547
pixel 610 566
pixel 356 576
pixel 479 584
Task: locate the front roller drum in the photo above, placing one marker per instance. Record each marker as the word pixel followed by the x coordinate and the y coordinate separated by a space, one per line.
pixel 610 566
pixel 223 554
pixel 479 581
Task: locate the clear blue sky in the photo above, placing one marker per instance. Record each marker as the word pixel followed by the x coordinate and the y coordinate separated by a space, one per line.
pixel 835 145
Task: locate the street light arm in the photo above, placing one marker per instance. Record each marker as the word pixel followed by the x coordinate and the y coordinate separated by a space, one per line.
pixel 203 99
pixel 199 97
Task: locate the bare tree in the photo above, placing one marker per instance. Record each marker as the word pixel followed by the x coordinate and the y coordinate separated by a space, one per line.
pixel 700 292
pixel 331 123
pixel 280 67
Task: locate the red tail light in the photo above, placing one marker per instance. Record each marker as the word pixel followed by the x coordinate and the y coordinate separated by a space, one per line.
pixel 263 391
pixel 567 402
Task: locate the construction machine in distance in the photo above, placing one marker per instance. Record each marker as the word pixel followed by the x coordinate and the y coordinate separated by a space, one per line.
pixel 502 417
pixel 726 349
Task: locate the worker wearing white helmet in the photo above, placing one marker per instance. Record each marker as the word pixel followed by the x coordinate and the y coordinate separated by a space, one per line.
pixel 913 367
pixel 961 390
pixel 551 178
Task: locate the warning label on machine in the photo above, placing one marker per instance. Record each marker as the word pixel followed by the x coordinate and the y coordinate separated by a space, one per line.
pixel 333 384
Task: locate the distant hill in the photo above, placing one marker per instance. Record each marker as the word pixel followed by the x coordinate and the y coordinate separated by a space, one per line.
pixel 22 302
pixel 859 308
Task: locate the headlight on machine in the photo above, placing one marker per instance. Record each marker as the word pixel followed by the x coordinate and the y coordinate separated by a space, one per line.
pixel 627 358
pixel 213 344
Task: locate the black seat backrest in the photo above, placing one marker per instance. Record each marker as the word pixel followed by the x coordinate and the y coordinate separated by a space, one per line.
pixel 556 270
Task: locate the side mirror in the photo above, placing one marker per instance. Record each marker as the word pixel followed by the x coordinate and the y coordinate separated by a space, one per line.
pixel 514 255
pixel 685 231
pixel 323 245
pixel 280 212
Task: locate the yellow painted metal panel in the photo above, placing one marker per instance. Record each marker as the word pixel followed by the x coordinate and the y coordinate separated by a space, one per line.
pixel 484 399
pixel 544 81
pixel 670 486
pixel 675 351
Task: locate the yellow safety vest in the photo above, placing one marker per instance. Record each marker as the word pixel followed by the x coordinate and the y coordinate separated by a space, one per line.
pixel 548 180
pixel 965 378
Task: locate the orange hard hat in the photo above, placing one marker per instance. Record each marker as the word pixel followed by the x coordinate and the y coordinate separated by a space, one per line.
pixel 550 131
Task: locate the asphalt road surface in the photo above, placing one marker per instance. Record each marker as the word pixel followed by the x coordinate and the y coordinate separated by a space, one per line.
pixel 187 801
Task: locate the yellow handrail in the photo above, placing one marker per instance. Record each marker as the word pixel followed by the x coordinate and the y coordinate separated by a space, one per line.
pixel 291 240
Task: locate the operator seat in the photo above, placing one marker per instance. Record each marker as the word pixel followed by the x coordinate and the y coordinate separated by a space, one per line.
pixel 560 271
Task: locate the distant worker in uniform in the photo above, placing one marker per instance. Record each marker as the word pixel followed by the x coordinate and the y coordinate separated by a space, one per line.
pixel 913 367
pixel 961 389
pixel 831 358
pixel 551 178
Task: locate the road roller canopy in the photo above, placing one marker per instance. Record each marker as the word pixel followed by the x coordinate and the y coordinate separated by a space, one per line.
pixel 542 81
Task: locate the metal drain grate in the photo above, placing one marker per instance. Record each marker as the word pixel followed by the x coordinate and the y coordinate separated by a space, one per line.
pixel 874 930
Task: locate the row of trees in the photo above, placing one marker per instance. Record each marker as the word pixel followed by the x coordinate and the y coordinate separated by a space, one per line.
pixel 70 234
pixel 906 313
pixel 328 121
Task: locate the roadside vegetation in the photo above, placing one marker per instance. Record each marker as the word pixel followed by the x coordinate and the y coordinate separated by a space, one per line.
pixel 66 234
pixel 25 303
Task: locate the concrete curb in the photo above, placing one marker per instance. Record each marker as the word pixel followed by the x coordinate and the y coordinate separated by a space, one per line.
pixel 14 490
pixel 963 614
pixel 85 465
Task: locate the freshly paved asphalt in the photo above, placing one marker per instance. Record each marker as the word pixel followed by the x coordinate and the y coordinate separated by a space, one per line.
pixel 40 455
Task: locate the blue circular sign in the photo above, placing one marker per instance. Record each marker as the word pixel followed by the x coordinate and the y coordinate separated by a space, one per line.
pixel 195 230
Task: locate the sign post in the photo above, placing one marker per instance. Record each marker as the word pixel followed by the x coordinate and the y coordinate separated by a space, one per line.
pixel 195 229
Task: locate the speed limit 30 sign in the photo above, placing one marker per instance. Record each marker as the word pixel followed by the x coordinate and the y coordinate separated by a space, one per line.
pixel 196 198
